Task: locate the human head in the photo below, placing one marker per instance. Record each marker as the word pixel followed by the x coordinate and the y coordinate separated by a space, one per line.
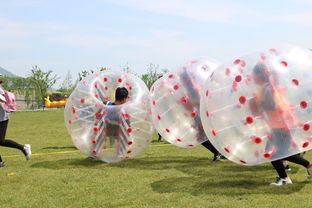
pixel 121 95
pixel 260 74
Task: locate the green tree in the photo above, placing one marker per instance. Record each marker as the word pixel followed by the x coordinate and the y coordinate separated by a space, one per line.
pixel 67 85
pixel 19 85
pixel 152 75
pixel 42 81
pixel 86 73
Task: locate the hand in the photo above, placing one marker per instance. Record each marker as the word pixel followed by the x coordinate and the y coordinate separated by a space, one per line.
pixel 254 108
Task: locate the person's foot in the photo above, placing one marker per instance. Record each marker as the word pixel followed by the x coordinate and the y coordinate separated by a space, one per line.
pixel 2 164
pixel 216 157
pixel 309 170
pixel 281 182
pixel 287 167
pixel 223 158
pixel 27 151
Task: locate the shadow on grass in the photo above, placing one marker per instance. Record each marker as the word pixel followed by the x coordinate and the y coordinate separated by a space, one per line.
pixel 70 163
pixel 203 175
pixel 229 186
pixel 65 147
pixel 207 177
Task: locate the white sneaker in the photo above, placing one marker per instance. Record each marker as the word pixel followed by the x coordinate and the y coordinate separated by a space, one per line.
pixel 27 149
pixel 309 170
pixel 281 182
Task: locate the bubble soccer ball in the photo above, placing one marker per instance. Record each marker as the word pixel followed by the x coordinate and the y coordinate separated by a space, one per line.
pixel 258 108
pixel 108 132
pixel 175 102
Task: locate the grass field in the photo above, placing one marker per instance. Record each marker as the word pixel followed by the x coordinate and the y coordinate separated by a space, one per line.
pixel 163 176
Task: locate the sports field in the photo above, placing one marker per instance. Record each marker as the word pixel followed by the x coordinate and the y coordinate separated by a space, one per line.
pixel 164 176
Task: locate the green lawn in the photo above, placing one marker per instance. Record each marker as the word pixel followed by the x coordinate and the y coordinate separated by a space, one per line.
pixel 164 176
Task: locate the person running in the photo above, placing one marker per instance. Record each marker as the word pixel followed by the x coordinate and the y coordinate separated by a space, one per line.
pixel 270 103
pixel 4 120
pixel 115 123
pixel 193 95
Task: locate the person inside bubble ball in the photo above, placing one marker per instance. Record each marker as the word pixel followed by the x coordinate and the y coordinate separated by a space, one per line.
pixel 115 124
pixel 193 95
pixel 270 104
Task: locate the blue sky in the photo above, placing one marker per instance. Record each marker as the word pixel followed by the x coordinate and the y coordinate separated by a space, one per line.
pixel 75 35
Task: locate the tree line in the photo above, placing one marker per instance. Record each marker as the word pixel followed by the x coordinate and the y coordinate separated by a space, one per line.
pixel 38 84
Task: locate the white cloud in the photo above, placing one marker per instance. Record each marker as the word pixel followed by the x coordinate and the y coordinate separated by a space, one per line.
pixel 302 18
pixel 200 10
pixel 100 42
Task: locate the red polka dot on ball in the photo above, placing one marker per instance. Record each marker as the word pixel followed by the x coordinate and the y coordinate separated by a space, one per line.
pixel 257 140
pixel 284 63
pixel 306 127
pixel 237 61
pixel 227 149
pixel 99 115
pixel 238 78
pixel 295 82
pixel 176 87
pixel 249 120
pixel 306 144
pixel 184 100
pixel 207 113
pixel 242 99
pixel 243 161
pixel 303 104
pixel 267 155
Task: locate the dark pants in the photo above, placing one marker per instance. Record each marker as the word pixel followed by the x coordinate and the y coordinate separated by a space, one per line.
pixel 279 167
pixel 6 142
pixel 280 142
pixel 210 147
pixel 159 137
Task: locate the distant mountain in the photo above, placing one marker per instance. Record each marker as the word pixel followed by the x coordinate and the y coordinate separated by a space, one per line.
pixel 6 72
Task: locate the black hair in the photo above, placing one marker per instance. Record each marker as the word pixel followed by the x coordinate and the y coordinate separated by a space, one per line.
pixel 261 70
pixel 121 93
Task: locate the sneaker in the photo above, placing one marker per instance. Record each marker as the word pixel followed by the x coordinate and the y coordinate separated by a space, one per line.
pixel 27 151
pixel 287 167
pixel 2 164
pixel 281 182
pixel 309 170
pixel 216 157
pixel 223 158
